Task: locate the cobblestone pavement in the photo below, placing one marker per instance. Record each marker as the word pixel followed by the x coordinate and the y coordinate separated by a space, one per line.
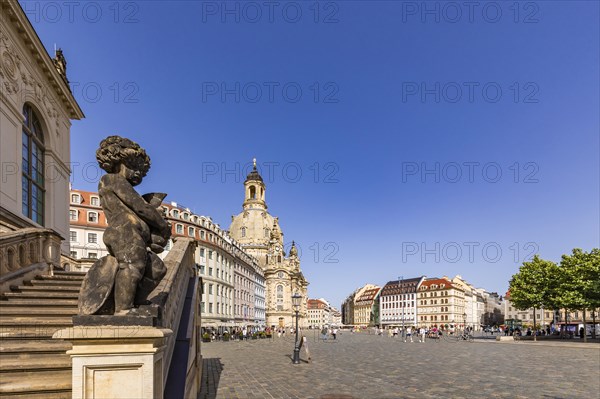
pixel 368 366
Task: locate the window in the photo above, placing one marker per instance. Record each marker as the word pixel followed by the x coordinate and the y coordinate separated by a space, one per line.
pixel 210 254
pixel 202 269
pixel 32 179
pixel 210 271
pixel 93 217
pixel 73 254
pixel 94 201
pixel 243 232
pixel 280 297
pixel 175 213
pixel 93 238
pixel 179 229
pixel 202 252
pixel 210 307
pixel 190 231
pixel 73 214
pixel 75 198
pixel 92 255
pixel 210 289
pixel 73 236
pixel 202 234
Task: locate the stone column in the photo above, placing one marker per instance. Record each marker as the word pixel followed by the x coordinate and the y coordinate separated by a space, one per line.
pixel 116 361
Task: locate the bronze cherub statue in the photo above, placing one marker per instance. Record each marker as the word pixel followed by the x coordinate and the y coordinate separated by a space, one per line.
pixel 136 232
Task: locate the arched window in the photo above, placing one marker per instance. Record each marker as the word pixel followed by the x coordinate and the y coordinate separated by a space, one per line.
pixel 252 192
pixel 243 232
pixel 280 297
pixel 33 166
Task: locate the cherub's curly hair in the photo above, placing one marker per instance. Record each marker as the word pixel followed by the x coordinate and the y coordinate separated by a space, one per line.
pixel 115 149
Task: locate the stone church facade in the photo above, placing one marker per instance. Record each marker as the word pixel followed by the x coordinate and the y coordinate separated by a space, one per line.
pixel 261 236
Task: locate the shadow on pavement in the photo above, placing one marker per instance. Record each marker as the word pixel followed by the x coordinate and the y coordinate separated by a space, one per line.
pixel 211 374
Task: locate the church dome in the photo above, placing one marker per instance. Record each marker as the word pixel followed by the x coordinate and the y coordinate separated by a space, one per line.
pixel 252 227
pixel 254 175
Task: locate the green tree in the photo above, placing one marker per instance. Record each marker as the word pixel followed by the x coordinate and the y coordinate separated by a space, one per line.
pixel 580 282
pixel 534 286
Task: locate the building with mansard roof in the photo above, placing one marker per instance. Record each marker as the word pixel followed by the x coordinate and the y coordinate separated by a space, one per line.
pixel 261 236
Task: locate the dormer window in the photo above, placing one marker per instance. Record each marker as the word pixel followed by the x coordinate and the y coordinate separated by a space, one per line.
pixel 175 213
pixel 94 201
pixel 75 198
pixel 93 217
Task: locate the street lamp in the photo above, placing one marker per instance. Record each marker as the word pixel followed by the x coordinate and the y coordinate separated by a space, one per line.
pixel 296 298
pixel 465 321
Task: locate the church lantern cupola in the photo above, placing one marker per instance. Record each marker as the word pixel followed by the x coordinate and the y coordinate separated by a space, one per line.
pixel 254 187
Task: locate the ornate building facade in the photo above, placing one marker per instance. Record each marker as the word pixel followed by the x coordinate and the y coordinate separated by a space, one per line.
pixel 260 235
pixel 36 112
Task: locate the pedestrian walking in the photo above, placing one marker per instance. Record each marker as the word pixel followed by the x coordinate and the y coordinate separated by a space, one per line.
pixel 334 333
pixel 408 334
pixel 422 334
pixel 324 334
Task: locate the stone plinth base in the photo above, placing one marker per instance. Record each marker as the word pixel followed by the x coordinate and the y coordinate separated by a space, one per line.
pixel 116 361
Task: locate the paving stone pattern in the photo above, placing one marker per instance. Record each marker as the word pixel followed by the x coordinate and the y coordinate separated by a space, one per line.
pixel 368 366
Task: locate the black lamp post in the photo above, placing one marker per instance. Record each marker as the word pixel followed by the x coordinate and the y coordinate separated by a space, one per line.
pixel 296 298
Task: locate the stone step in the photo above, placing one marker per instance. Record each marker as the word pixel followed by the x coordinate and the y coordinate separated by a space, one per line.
pixel 30 383
pixel 72 274
pixel 47 282
pixel 8 302
pixel 64 279
pixel 33 327
pixel 53 346
pixel 45 288
pixel 39 395
pixel 33 362
pixel 42 295
pixel 49 319
pixel 38 310
pixel 11 320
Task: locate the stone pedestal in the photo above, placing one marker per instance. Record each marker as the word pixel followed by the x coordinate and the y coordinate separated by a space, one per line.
pixel 116 361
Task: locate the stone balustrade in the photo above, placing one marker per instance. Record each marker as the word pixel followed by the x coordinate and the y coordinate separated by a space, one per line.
pixel 24 248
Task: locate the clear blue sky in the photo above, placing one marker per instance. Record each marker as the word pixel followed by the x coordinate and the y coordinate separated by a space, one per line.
pixel 517 94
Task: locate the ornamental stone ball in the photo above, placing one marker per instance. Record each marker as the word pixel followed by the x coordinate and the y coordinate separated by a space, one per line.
pixel 121 281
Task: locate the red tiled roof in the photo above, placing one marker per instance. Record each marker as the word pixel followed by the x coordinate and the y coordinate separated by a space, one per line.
pixel 437 281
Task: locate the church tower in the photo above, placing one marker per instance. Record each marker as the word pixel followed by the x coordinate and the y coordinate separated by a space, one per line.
pixel 255 190
pixel 260 235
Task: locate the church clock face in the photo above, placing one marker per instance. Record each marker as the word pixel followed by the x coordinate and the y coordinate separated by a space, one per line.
pixel 277 248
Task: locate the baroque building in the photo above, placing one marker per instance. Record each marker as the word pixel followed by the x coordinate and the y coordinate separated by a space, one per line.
pixel 260 235
pixel 36 112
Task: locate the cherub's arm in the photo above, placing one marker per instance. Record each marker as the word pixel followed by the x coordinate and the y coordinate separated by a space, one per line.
pixel 135 202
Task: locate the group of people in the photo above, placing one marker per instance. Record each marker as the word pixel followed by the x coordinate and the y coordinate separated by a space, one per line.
pixel 326 332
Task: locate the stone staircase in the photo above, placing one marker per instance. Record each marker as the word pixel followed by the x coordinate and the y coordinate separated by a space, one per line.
pixel 32 364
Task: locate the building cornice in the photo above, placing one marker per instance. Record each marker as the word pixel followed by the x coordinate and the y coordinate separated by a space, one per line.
pixel 15 14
